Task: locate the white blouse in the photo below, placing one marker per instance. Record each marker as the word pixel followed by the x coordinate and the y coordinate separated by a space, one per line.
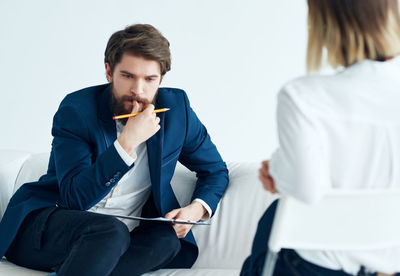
pixel 341 131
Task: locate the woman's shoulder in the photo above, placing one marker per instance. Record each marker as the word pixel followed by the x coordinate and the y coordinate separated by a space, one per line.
pixel 306 85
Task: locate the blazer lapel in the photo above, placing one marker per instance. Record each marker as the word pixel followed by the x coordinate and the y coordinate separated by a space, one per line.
pixel 154 152
pixel 107 124
pixel 154 144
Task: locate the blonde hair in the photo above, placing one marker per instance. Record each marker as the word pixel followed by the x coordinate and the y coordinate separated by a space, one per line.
pixel 352 31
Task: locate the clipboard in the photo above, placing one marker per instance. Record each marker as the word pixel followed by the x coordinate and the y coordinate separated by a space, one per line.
pixel 160 219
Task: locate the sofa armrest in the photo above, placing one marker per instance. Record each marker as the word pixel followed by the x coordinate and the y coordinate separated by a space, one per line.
pixel 11 162
pixel 32 169
pixel 227 242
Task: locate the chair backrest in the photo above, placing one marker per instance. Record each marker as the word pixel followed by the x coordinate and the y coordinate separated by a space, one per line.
pixel 343 220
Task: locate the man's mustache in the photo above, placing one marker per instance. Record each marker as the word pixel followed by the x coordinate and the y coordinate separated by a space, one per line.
pixel 134 98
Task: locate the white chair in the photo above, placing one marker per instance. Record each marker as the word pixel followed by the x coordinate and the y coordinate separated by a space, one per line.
pixel 343 220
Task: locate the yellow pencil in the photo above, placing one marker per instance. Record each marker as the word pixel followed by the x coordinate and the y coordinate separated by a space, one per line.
pixel 137 113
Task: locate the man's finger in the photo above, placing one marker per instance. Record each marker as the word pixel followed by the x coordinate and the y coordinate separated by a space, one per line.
pixel 172 214
pixel 182 234
pixel 136 107
pixel 149 109
pixel 178 227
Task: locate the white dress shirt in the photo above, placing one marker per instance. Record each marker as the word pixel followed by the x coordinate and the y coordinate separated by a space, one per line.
pixel 341 131
pixel 133 189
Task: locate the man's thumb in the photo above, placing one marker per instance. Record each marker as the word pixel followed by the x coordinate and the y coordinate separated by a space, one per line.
pixel 172 214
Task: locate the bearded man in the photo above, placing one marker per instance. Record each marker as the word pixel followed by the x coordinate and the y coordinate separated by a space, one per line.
pixel 99 165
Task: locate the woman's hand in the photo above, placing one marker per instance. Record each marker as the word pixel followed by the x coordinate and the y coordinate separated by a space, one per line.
pixel 266 179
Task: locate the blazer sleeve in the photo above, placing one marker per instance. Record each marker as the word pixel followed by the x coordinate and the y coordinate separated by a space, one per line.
pixel 200 155
pixel 82 180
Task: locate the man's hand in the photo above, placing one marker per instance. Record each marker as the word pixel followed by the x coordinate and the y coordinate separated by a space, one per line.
pixel 194 212
pixel 266 179
pixel 139 128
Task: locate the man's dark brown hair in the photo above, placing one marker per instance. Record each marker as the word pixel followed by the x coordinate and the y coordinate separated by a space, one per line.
pixel 142 40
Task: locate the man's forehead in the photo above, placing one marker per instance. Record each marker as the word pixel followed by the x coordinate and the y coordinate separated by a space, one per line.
pixel 138 65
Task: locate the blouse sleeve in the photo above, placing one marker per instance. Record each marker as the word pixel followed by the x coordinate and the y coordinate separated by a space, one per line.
pixel 299 166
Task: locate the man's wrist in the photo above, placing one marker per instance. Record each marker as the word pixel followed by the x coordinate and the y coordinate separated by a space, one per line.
pixel 201 210
pixel 128 147
pixel 208 213
pixel 128 159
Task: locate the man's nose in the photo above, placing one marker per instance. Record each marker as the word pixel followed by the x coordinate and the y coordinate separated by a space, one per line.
pixel 137 87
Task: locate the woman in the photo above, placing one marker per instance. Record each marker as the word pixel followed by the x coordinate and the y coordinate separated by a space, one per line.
pixel 338 131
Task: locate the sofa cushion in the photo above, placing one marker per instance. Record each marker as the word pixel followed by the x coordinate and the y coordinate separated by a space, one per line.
pixel 10 269
pixel 194 272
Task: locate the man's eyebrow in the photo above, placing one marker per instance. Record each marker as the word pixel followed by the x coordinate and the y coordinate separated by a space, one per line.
pixel 125 72
pixel 128 73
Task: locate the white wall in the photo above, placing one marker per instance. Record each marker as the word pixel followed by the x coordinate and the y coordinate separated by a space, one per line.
pixel 231 56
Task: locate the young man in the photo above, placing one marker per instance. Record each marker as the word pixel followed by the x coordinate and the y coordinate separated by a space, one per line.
pixel 121 167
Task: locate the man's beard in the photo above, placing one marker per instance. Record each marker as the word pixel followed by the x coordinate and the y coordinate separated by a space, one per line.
pixel 118 106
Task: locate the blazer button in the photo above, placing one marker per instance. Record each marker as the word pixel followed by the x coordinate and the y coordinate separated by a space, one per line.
pixel 112 180
pixel 108 183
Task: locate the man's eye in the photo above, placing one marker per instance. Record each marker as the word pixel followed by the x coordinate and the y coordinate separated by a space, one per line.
pixel 127 76
pixel 151 79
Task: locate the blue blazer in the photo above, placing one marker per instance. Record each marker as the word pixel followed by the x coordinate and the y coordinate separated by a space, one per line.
pixel 84 164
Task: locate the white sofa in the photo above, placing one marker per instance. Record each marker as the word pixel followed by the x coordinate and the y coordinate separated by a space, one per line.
pixel 223 245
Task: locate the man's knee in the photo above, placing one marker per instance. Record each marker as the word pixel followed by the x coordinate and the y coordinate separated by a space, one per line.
pixel 110 232
pixel 168 240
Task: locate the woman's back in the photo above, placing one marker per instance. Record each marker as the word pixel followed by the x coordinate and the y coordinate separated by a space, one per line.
pixel 357 113
pixel 340 131
pixel 346 130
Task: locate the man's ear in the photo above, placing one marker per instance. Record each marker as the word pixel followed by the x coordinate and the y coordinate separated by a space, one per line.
pixel 108 72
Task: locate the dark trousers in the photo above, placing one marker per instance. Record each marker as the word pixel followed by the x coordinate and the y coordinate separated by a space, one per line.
pixel 289 263
pixel 73 242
